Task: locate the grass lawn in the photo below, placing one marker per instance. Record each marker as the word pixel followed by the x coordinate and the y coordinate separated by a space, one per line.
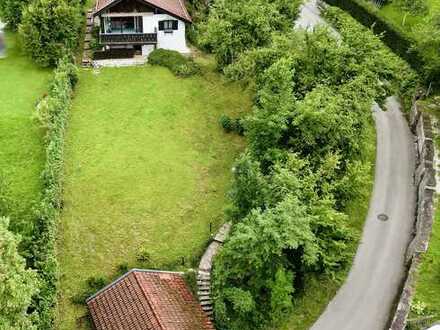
pixel 147 169
pixel 21 140
pixel 407 22
pixel 311 302
pixel 428 281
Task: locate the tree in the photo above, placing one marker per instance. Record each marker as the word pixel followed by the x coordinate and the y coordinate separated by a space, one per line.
pixel 11 12
pixel 17 284
pixel 238 25
pixel 50 29
pixel 253 278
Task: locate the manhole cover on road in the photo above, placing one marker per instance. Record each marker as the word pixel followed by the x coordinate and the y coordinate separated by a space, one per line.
pixel 382 217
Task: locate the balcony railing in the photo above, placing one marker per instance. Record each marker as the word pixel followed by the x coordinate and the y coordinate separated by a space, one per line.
pixel 129 38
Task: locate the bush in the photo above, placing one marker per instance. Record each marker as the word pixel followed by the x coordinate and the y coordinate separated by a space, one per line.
pixel 93 285
pixel 11 12
pixel 43 248
pixel 232 125
pixel 235 26
pixel 424 62
pixel 17 284
pixel 178 64
pixel 50 29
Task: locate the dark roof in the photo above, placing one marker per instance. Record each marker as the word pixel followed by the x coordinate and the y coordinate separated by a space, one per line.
pixel 147 300
pixel 173 7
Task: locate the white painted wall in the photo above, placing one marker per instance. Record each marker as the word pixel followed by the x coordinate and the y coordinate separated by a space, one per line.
pixel 172 41
pixel 147 49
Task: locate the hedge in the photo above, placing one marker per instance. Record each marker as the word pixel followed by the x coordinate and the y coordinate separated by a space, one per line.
pixel 54 110
pixel 178 64
pixel 402 44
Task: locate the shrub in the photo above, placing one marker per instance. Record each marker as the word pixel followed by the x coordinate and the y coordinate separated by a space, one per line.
pixel 17 284
pixel 43 248
pixel 176 62
pixel 93 284
pixel 232 125
pixel 50 29
pixel 427 63
pixel 11 12
pixel 235 26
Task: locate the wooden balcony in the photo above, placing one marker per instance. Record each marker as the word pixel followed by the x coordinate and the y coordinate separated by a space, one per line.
pixel 128 38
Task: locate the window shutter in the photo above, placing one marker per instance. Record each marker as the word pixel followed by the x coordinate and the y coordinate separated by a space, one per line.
pixel 161 25
pixel 175 25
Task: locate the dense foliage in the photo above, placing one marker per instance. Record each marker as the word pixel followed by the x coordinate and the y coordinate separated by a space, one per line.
pixel 53 110
pixel 50 29
pixel 235 26
pixel 17 284
pixel 305 161
pixel 423 52
pixel 11 11
pixel 177 63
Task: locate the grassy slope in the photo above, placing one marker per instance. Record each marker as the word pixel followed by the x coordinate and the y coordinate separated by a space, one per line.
pixel 320 290
pixel 147 167
pixel 395 15
pixel 428 282
pixel 21 147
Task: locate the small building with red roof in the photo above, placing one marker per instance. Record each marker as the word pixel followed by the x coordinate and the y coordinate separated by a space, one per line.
pixel 147 300
pixel 142 25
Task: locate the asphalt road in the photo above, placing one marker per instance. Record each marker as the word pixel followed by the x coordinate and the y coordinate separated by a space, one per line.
pixel 309 16
pixel 366 299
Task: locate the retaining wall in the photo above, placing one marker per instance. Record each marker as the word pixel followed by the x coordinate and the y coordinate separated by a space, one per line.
pixel 425 182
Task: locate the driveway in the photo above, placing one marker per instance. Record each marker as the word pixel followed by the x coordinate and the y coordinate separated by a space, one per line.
pixel 366 299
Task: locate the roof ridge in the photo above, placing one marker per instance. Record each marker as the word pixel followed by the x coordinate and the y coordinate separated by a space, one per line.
pixel 148 300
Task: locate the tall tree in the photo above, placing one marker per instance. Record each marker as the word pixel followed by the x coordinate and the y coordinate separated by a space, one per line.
pixel 50 28
pixel 17 284
pixel 11 12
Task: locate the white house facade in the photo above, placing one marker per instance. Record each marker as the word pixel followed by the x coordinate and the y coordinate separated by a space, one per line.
pixel 142 25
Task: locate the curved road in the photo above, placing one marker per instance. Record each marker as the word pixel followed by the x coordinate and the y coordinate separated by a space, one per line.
pixel 366 299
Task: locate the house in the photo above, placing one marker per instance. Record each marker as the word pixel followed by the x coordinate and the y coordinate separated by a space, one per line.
pixel 147 300
pixel 142 25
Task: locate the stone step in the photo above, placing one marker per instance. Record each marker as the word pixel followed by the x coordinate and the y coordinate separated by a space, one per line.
pixel 205 298
pixel 88 37
pixel 204 291
pixel 206 303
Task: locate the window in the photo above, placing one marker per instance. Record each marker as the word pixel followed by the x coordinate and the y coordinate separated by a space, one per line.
pixel 168 25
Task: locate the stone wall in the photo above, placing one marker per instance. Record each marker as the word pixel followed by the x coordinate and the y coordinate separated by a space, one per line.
pixel 425 182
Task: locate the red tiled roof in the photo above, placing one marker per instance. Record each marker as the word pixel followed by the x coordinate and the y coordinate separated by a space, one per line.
pixel 173 7
pixel 147 300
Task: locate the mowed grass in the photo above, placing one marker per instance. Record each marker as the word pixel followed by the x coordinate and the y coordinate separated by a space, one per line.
pixel 21 140
pixel 147 169
pixel 311 301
